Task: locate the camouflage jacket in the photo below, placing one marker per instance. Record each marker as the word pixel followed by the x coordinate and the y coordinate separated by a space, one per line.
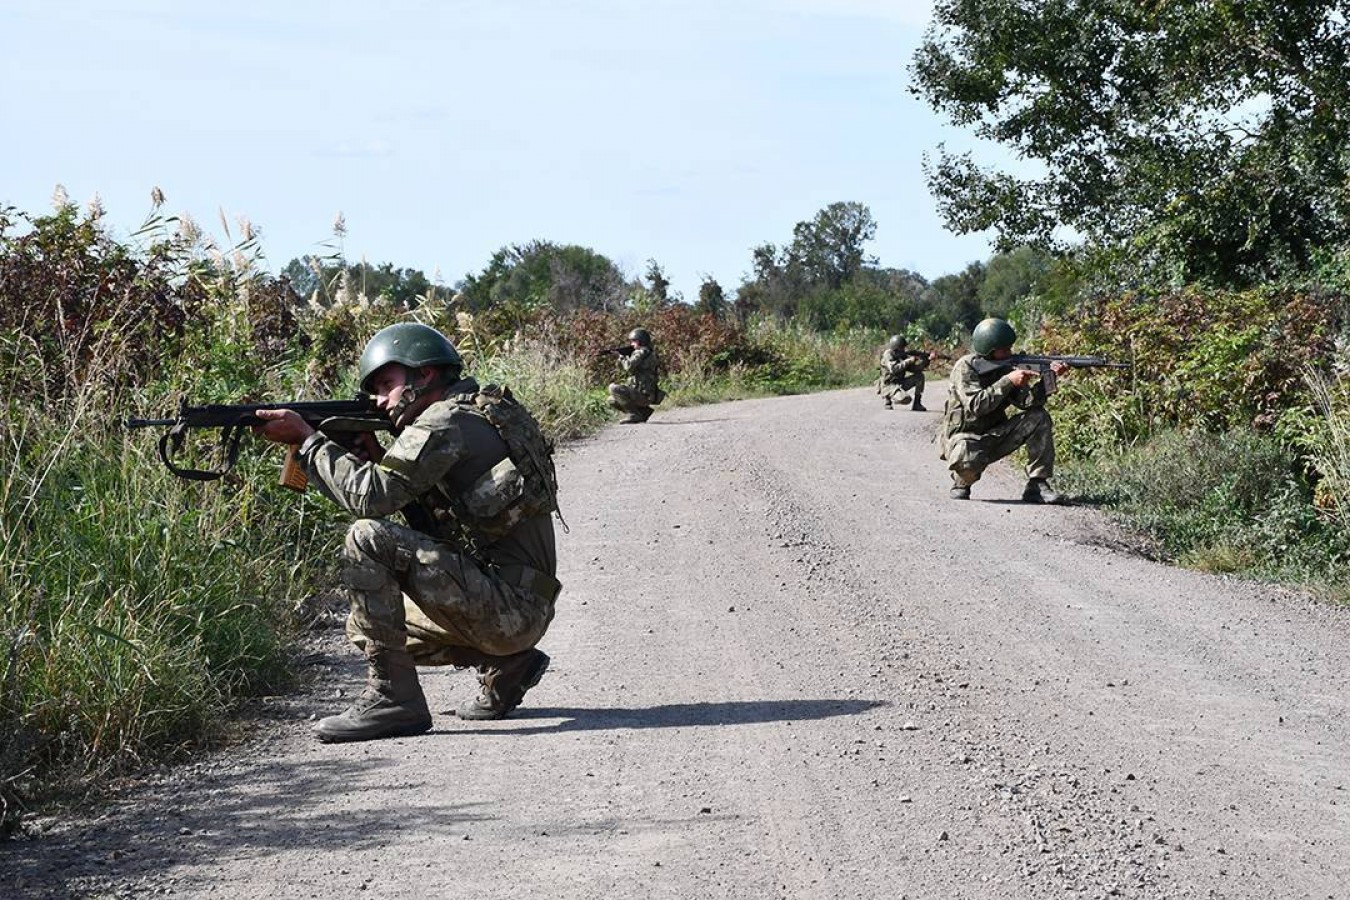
pixel 641 368
pixel 438 464
pixel 980 393
pixel 896 363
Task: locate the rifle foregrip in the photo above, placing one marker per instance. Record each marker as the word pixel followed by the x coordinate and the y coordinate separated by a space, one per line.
pixel 292 472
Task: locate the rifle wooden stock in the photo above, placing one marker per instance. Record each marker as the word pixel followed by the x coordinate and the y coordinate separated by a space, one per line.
pixel 292 472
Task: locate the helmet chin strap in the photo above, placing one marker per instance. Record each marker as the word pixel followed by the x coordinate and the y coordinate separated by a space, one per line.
pixel 411 394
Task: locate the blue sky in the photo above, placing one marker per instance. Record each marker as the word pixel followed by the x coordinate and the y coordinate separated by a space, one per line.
pixel 688 131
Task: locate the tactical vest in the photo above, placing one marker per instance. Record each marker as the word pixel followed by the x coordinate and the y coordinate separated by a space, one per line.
pixel 523 485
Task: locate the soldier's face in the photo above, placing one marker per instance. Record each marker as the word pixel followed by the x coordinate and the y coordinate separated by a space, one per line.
pixel 387 384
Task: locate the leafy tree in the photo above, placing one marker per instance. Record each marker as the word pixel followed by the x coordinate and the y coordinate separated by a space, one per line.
pixel 326 275
pixel 1207 138
pixel 543 274
pixel 954 301
pixel 712 300
pixel 776 287
pixel 301 275
pixel 659 283
pixel 826 253
pixel 829 248
pixel 1010 278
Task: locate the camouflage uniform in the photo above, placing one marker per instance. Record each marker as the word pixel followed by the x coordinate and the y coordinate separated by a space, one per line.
pixel 902 371
pixel 434 587
pixel 977 429
pixel 641 393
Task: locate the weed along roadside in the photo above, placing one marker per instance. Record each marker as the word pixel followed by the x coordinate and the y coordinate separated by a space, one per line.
pixel 140 608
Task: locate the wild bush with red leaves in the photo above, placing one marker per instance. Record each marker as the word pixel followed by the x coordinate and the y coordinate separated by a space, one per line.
pixel 76 305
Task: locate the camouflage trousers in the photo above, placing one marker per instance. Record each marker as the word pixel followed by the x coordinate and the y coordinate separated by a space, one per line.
pixel 968 455
pixel 914 381
pixel 410 591
pixel 626 398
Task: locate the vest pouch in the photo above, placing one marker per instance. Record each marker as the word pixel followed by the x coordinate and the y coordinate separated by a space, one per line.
pixel 495 490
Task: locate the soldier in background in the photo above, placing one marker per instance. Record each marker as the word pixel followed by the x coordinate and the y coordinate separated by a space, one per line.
pixel 642 392
pixel 902 370
pixel 469 580
pixel 977 429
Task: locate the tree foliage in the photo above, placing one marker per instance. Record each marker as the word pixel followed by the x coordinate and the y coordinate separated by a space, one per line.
pixel 826 254
pixel 540 274
pixel 1205 138
pixel 325 278
pixel 712 299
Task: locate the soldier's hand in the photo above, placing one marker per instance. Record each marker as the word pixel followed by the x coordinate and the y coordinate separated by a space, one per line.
pixel 283 426
pixel 1059 368
pixel 1020 377
pixel 367 448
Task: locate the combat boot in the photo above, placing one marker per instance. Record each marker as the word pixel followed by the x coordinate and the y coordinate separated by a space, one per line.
pixel 392 704
pixel 889 404
pixel 959 492
pixel 1038 490
pixel 918 407
pixel 504 683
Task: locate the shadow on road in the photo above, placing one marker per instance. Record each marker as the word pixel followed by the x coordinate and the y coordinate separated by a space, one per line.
pixel 676 715
pixel 251 811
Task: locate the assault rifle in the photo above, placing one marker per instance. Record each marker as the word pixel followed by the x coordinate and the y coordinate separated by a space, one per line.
pixel 926 354
pixel 1033 361
pixel 621 350
pixel 339 420
pixel 1042 363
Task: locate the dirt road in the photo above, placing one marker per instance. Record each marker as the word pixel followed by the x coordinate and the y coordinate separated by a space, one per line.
pixel 786 665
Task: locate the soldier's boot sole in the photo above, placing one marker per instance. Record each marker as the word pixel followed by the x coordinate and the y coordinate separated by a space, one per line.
pixel 384 719
pixel 483 708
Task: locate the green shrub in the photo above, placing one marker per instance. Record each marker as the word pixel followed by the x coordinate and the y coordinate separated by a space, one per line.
pixel 1232 501
pixel 1202 357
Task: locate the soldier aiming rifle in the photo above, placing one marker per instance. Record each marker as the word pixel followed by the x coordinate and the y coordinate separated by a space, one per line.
pixel 977 428
pixel 642 392
pixel 902 371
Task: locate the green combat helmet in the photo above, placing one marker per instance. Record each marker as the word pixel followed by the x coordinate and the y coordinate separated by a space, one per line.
pixel 642 336
pixel 991 334
pixel 411 344
pixel 897 342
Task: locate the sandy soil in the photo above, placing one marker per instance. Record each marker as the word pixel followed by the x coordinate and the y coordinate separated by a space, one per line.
pixel 786 665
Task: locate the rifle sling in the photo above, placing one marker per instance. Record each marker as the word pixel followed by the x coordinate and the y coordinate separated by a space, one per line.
pixel 229 446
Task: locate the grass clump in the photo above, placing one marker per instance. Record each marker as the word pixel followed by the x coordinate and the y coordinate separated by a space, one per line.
pixel 1231 501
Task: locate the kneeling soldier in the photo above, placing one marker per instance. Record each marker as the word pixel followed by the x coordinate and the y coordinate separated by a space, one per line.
pixel 902 370
pixel 642 392
pixel 469 579
pixel 977 429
